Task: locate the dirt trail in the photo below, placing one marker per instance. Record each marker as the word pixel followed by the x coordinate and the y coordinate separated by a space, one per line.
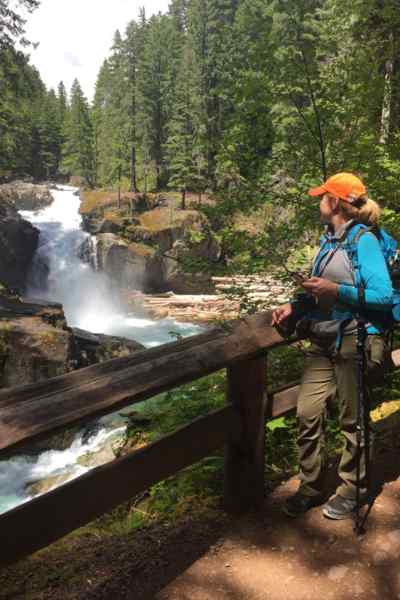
pixel 271 557
pixel 262 556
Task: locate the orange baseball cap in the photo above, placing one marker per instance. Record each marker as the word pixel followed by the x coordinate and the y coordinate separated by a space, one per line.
pixel 342 185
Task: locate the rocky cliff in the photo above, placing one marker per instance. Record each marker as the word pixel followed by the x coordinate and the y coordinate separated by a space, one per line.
pixel 36 343
pixel 151 245
pixel 26 196
pixel 18 242
pixel 18 238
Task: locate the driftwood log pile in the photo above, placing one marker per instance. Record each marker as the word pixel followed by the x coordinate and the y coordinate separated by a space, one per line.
pixel 231 295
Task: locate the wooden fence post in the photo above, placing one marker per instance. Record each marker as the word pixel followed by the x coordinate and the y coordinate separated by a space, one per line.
pixel 244 458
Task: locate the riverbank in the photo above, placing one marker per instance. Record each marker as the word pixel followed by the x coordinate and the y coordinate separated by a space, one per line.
pixel 262 292
pixel 78 320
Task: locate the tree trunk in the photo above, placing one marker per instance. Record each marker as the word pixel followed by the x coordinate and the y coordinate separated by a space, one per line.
pixel 145 182
pixel 158 177
pixel 119 187
pixel 133 187
pixel 387 102
pixel 183 206
pixel 395 104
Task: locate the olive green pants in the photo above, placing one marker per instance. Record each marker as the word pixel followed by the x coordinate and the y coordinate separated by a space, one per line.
pixel 330 374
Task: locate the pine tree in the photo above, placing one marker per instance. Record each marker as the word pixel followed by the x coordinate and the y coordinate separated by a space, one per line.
pixel 21 92
pixel 101 126
pixel 247 134
pixel 178 9
pixel 50 135
pixel 62 101
pixel 116 114
pixel 210 31
pixel 131 52
pixel 12 23
pixel 182 147
pixel 156 81
pixel 78 146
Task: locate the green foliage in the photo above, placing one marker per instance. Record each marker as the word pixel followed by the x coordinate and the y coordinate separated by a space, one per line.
pixel 77 152
pixel 256 100
pixel 173 409
pixel 183 147
pixel 12 23
pixel 29 133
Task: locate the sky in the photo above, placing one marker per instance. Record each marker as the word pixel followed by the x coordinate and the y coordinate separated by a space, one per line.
pixel 75 36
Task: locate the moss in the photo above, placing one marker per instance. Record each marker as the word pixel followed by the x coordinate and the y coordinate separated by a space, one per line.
pixel 135 229
pixel 141 250
pixel 115 217
pixel 165 218
pixel 93 200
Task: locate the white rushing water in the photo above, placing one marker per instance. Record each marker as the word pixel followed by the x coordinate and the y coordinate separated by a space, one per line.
pixel 88 304
pixel 18 473
pixel 84 293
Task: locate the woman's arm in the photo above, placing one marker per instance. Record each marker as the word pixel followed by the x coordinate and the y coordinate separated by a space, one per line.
pixel 374 277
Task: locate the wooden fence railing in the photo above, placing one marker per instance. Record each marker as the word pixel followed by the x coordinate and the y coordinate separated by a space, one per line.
pixel 35 411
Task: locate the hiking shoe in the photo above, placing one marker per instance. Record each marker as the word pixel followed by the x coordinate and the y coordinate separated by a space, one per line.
pixel 339 507
pixel 299 503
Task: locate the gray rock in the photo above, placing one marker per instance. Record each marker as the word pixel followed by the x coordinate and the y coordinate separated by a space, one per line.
pixel 90 348
pixel 97 458
pixel 26 196
pixel 35 488
pixel 18 243
pixel 152 256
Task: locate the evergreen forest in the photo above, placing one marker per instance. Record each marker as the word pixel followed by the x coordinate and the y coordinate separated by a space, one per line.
pixel 249 100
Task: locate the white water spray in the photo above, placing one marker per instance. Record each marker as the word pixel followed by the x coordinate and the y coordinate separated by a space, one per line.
pixel 88 304
pixel 86 294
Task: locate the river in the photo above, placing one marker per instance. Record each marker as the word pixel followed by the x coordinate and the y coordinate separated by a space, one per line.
pixel 90 304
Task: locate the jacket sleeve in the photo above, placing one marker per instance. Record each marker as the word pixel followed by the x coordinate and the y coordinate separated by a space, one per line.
pixel 374 277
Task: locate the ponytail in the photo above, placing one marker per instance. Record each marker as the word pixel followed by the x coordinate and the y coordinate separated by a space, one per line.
pixel 363 210
pixel 370 212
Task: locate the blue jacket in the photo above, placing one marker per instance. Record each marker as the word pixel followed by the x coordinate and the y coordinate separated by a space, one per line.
pixel 372 273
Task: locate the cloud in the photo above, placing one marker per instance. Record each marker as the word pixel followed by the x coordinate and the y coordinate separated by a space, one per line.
pixel 72 60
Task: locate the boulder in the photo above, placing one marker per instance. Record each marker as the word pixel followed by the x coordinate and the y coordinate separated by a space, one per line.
pixel 87 251
pixel 97 457
pixel 152 253
pixel 41 486
pixel 179 278
pixel 26 196
pixel 32 350
pixel 129 265
pixel 107 225
pixel 18 243
pixel 92 222
pixel 36 343
pixel 90 348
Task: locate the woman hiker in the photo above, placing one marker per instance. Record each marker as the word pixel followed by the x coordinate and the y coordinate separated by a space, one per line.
pixel 331 366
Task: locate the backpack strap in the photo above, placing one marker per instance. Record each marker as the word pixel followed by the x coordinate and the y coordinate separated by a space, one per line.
pixel 353 255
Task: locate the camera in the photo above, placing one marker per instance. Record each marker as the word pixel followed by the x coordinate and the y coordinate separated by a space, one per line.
pixel 297 323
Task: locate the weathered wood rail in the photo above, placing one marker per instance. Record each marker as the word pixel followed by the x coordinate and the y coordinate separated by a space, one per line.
pixel 31 412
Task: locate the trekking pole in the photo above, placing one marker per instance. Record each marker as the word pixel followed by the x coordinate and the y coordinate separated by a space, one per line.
pixel 362 426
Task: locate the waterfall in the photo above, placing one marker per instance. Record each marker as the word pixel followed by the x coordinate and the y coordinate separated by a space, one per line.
pixel 85 293
pixel 58 274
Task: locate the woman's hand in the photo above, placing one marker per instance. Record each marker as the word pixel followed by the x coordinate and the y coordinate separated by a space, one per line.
pixel 281 313
pixel 321 288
